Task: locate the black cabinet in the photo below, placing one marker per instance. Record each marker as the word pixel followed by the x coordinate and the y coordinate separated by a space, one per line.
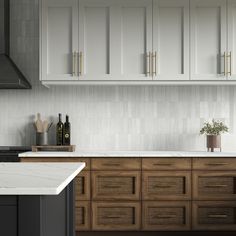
pixel 8 216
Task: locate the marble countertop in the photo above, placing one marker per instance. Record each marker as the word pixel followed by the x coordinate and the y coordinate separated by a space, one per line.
pixel 37 178
pixel 129 154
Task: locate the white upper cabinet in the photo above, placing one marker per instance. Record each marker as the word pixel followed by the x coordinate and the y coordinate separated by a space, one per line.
pixel 231 54
pixel 137 40
pixel 132 40
pixel 171 39
pixel 95 23
pixel 208 39
pixel 59 37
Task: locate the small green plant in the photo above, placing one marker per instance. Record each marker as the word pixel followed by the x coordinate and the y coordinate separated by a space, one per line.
pixel 214 128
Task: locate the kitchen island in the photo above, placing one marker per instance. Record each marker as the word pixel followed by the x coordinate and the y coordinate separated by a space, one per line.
pixel 37 199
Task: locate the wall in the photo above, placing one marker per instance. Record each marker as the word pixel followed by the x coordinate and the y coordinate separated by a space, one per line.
pixel 112 117
pixel 1 26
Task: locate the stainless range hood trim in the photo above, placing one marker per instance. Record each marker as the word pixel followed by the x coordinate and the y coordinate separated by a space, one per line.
pixel 21 82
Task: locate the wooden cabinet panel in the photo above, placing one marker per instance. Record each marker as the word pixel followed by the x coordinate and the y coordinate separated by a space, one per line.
pixel 114 185
pixel 166 215
pixel 82 186
pixel 214 185
pixel 116 164
pixel 214 215
pixel 166 185
pixel 214 163
pixel 166 163
pixel 82 215
pixel 116 216
pixel 58 159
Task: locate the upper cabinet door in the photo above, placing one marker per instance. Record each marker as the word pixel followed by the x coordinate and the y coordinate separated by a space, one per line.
pixel 132 40
pixel 208 39
pixel 231 55
pixel 171 39
pixel 59 37
pixel 95 24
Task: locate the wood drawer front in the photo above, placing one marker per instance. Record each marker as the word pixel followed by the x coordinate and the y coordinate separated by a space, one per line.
pixel 82 215
pixel 166 163
pixel 166 185
pixel 166 215
pixel 115 185
pixel 214 185
pixel 116 164
pixel 82 186
pixel 214 163
pixel 116 216
pixel 214 215
pixel 58 159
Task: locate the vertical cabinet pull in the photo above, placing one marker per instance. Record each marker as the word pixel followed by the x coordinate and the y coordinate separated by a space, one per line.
pixel 80 63
pixel 230 63
pixel 154 63
pixel 148 56
pixel 225 64
pixel 74 63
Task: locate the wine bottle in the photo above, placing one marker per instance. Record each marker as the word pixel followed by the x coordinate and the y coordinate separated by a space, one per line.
pixel 59 131
pixel 66 132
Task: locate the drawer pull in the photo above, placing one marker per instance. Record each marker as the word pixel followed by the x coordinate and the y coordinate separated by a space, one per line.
pixel 162 164
pixel 111 164
pixel 111 217
pixel 112 186
pixel 217 164
pixel 164 216
pixel 216 186
pixel 163 186
pixel 217 216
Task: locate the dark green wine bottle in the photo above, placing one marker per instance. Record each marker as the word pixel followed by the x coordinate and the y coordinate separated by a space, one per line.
pixel 59 131
pixel 66 132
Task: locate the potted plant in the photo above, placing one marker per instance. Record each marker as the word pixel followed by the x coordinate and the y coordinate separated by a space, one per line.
pixel 213 131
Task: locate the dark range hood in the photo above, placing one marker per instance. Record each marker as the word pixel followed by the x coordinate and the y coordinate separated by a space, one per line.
pixel 10 76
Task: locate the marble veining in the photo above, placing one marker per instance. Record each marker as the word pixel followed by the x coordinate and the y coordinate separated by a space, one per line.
pixel 37 178
pixel 128 154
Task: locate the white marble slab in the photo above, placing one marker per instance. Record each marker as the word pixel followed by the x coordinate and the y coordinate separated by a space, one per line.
pixel 128 154
pixel 37 178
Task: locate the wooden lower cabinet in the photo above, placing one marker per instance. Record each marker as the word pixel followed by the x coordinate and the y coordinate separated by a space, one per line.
pixel 116 216
pixel 214 185
pixel 166 215
pixel 82 186
pixel 154 194
pixel 116 185
pixel 166 185
pixel 214 215
pixel 82 215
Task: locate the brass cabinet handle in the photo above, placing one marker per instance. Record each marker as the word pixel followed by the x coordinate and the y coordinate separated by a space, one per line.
pixel 163 186
pixel 225 64
pixel 74 63
pixel 162 164
pixel 216 186
pixel 219 216
pixel 230 63
pixel 154 63
pixel 111 217
pixel 163 216
pixel 112 186
pixel 80 63
pixel 111 164
pixel 148 57
pixel 217 164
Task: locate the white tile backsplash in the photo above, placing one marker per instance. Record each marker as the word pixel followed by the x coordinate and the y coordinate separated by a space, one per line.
pixel 109 117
